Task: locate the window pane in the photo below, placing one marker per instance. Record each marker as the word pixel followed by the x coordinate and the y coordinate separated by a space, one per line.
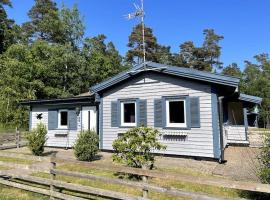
pixel 129 112
pixel 177 113
pixel 64 118
pixel 235 113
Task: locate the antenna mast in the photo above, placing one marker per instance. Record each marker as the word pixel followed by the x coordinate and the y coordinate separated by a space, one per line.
pixel 139 12
pixel 143 37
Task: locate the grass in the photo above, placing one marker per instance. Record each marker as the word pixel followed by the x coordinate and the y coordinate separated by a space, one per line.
pixel 9 193
pixel 3 168
pixel 23 150
pixel 211 190
pixel 106 186
pixel 4 130
pixel 184 171
pixel 16 160
pixel 7 130
pixel 205 189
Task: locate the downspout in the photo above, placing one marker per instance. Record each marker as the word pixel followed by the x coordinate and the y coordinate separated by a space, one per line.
pixel 220 111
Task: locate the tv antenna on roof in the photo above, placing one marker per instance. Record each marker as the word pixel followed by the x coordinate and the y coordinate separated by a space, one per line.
pixel 139 12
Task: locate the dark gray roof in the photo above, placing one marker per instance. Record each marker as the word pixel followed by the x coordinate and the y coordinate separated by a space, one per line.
pixel 63 101
pixel 167 69
pixel 249 98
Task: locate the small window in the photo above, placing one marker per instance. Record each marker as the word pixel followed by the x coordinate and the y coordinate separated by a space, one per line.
pixel 235 113
pixel 128 113
pixel 63 119
pixel 176 113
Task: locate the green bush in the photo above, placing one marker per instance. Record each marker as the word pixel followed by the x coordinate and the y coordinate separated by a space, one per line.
pixel 135 147
pixel 264 158
pixel 86 146
pixel 37 139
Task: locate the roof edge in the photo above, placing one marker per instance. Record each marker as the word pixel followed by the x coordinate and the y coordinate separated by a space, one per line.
pixel 171 70
pixel 250 98
pixel 57 100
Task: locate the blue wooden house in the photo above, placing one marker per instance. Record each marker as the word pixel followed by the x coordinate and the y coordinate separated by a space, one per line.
pixel 197 113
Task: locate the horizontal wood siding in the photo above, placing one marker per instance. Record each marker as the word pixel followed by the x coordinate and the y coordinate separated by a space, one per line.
pixel 56 138
pixel 198 142
pixel 235 134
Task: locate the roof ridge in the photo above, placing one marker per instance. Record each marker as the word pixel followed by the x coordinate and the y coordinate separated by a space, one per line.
pixel 171 70
pixel 192 69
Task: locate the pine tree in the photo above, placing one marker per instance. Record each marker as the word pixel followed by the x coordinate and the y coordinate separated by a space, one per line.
pixel 164 55
pixel 255 81
pixel 73 25
pixel 212 48
pixel 204 58
pixel 135 44
pixel 44 23
pixel 193 57
pixel 232 70
pixel 102 61
pixel 9 31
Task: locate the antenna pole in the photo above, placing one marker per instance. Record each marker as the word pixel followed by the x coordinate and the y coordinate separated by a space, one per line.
pixel 140 13
pixel 143 36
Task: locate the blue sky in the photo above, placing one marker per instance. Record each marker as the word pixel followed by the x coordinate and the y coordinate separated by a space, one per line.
pixel 245 24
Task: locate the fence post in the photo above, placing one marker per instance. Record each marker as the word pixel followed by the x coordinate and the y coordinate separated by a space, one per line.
pixel 53 176
pixel 17 135
pixel 144 178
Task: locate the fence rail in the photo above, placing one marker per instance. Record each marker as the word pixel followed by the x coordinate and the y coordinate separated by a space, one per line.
pixel 91 190
pixel 211 181
pixel 39 190
pixel 12 140
pixel 53 184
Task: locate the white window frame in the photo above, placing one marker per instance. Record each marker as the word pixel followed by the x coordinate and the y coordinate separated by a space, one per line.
pixel 175 125
pixel 59 119
pixel 122 114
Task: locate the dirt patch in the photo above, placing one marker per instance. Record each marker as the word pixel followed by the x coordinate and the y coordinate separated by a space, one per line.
pixel 242 164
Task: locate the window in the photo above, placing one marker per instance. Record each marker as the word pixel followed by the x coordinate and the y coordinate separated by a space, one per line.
pixel 235 113
pixel 176 113
pixel 128 113
pixel 63 119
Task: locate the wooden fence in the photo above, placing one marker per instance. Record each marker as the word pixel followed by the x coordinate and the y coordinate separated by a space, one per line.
pixel 12 140
pixel 53 185
pixel 210 181
pixel 143 186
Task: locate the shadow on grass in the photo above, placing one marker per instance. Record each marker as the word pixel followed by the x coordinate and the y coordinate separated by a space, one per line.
pixel 124 176
pixel 49 153
pixel 97 157
pixel 254 195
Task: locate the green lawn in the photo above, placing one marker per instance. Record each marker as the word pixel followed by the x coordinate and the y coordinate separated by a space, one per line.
pixel 3 168
pixel 9 130
pixel 9 193
pixel 107 186
pixel 211 190
pixel 16 160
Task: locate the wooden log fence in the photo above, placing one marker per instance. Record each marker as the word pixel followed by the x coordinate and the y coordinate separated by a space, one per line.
pixel 71 187
pixel 92 190
pixel 53 166
pixel 39 190
pixel 11 140
pixel 54 185
pixel 145 186
pixel 210 181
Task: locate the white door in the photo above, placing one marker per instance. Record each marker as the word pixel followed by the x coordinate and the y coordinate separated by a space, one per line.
pixel 89 118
